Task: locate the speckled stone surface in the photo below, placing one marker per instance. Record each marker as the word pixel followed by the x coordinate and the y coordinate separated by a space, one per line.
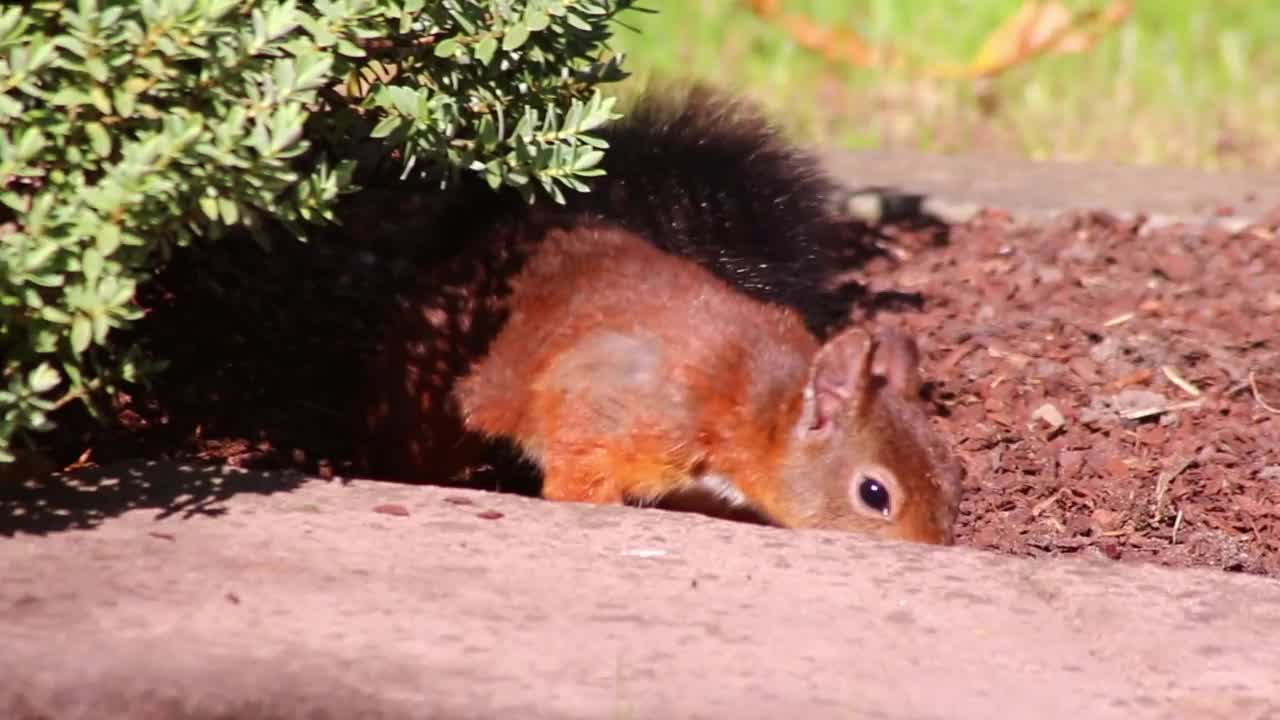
pixel 153 591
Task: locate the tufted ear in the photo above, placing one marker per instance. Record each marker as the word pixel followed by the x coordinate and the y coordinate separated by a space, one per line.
pixel 840 380
pixel 897 360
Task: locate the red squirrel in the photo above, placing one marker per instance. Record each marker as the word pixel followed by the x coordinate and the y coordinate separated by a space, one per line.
pixel 672 330
pixel 629 374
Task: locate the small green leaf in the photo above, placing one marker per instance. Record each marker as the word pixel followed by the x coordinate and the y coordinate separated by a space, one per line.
pixel 587 160
pixel 101 326
pixel 108 238
pixel 122 294
pixel 515 37
pixel 99 139
pixel 54 315
pixel 493 172
pixel 386 126
pixel 31 142
pixel 209 206
pixel 346 48
pixel 74 375
pixel 536 20
pixel 524 128
pixel 91 265
pixel 37 420
pixel 487 133
pixel 81 333
pixel 100 100
pixel 36 258
pixel 229 211
pixel 43 378
pixel 10 107
pixel 97 69
pixel 448 48
pixel 69 96
pixel 486 48
pixel 44 340
pixel 125 100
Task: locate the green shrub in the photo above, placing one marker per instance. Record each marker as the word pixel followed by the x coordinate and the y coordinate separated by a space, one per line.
pixel 129 129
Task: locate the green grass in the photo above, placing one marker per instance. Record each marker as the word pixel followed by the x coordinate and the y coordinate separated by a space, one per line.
pixel 1181 82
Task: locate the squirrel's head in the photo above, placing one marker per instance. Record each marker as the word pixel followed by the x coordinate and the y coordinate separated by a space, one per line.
pixel 864 456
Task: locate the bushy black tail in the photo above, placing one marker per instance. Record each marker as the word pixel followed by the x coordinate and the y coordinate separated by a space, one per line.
pixel 707 177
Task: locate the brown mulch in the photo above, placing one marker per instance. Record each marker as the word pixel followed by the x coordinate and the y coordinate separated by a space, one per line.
pixel 1113 390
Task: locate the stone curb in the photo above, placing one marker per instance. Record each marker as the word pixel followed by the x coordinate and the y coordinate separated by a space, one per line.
pixel 205 593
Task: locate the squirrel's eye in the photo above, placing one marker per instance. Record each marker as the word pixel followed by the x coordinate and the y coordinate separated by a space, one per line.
pixel 874 494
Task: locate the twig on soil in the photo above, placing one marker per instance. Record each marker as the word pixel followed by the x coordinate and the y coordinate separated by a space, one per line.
pixel 1253 385
pixel 1119 319
pixel 1177 523
pixel 1176 378
pixel 83 462
pixel 955 357
pixel 1141 413
pixel 1044 504
pixel 1016 359
pixel 1163 482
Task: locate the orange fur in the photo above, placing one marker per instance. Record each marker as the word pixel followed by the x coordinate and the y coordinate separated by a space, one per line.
pixel 630 374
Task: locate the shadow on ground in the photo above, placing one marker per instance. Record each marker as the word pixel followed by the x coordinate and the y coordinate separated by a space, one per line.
pixel 85 499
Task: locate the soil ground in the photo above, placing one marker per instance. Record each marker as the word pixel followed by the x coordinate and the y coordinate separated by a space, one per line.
pixel 1113 388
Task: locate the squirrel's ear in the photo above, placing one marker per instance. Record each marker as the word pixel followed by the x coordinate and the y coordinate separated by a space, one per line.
pixel 839 380
pixel 897 360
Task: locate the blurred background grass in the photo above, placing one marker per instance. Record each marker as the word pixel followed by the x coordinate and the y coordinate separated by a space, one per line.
pixel 1179 82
